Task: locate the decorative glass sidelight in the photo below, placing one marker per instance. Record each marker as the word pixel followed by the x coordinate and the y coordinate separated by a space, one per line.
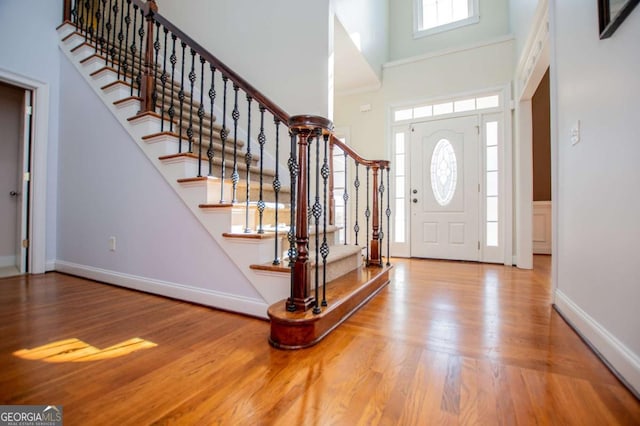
pixel 444 172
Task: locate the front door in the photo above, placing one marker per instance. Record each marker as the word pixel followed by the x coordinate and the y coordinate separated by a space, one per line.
pixel 445 187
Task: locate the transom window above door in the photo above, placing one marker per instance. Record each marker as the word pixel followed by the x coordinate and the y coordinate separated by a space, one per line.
pixel 434 16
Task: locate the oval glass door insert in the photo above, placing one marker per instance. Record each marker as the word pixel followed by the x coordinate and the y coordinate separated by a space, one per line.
pixel 444 172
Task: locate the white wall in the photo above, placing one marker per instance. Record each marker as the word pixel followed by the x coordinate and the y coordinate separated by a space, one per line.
pixel 34 53
pixel 521 13
pixel 598 199
pixel 11 99
pixel 445 74
pixel 107 187
pixel 281 48
pixel 494 22
pixel 369 19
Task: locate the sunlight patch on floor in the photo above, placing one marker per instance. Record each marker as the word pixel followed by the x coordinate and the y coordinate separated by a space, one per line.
pixel 75 350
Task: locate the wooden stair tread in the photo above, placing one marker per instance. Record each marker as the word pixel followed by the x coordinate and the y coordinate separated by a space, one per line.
pixel 297 330
pixel 251 235
pixel 336 253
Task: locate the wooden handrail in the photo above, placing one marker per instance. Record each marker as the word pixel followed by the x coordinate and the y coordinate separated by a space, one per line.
pixel 357 157
pixel 277 112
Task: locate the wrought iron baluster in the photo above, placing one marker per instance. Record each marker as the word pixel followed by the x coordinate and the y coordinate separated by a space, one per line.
pixel 125 61
pixel 104 20
pixel 212 98
pixel 87 19
pixel 367 214
pixel 276 187
pixel 98 16
pixel 174 60
pixel 224 133
pixel 262 139
pixel 181 98
pixel 201 115
pixel 108 27
pixel 156 48
pixel 356 184
pixel 247 159
pixel 324 249
pixel 317 212
pixel 388 213
pixel 133 49
pixel 141 51
pixel 293 172
pixel 163 78
pixel 81 18
pixel 120 40
pixel 90 13
pixel 113 43
pixel 381 233
pixel 309 185
pixel 345 198
pixel 192 80
pixel 235 115
pixel 74 12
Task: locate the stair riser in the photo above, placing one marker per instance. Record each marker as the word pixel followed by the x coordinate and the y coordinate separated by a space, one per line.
pixel 335 269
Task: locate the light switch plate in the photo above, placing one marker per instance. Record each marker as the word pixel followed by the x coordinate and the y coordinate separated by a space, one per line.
pixel 575 133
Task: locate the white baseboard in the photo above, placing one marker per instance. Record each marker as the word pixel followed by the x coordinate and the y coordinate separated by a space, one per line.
pixel 624 363
pixel 7 261
pixel 225 301
pixel 50 265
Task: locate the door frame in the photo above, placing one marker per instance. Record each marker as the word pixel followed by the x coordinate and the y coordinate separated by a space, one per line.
pixel 533 63
pixel 38 157
pixel 402 249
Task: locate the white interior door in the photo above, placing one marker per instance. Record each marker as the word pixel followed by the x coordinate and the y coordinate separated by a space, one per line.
pixel 445 189
pixel 11 99
pixel 24 178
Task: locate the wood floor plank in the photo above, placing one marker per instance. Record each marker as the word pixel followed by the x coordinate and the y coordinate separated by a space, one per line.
pixel 443 343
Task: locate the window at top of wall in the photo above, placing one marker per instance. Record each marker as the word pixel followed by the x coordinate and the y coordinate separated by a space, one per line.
pixel 435 16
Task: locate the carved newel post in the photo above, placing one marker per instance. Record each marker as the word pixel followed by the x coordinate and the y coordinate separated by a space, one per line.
pixel 306 127
pixel 147 85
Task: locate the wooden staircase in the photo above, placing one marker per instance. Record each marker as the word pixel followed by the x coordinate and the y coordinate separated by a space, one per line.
pixel 238 213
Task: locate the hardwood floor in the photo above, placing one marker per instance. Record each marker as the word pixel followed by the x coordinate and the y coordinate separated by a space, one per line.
pixel 443 343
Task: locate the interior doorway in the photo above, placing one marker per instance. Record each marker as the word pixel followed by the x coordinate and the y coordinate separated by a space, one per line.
pixel 542 203
pixel 15 153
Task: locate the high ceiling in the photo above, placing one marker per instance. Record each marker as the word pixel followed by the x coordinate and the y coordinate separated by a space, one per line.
pixel 352 72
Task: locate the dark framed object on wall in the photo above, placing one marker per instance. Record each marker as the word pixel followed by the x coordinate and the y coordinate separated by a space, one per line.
pixel 611 13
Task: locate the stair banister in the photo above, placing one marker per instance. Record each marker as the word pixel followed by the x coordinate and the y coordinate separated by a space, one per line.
pixel 304 131
pixel 218 64
pixel 375 248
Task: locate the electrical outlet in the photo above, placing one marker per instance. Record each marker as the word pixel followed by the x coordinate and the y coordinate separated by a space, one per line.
pixel 112 243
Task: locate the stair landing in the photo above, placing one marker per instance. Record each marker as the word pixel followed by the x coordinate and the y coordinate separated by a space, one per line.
pixel 298 330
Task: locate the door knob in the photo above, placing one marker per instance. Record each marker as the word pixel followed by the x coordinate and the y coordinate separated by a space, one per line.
pixel 14 194
pixel 415 200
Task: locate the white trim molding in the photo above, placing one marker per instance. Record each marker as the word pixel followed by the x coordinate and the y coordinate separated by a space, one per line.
pixel 542 227
pixel 532 65
pixel 450 51
pixel 619 358
pixel 212 298
pixel 39 157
